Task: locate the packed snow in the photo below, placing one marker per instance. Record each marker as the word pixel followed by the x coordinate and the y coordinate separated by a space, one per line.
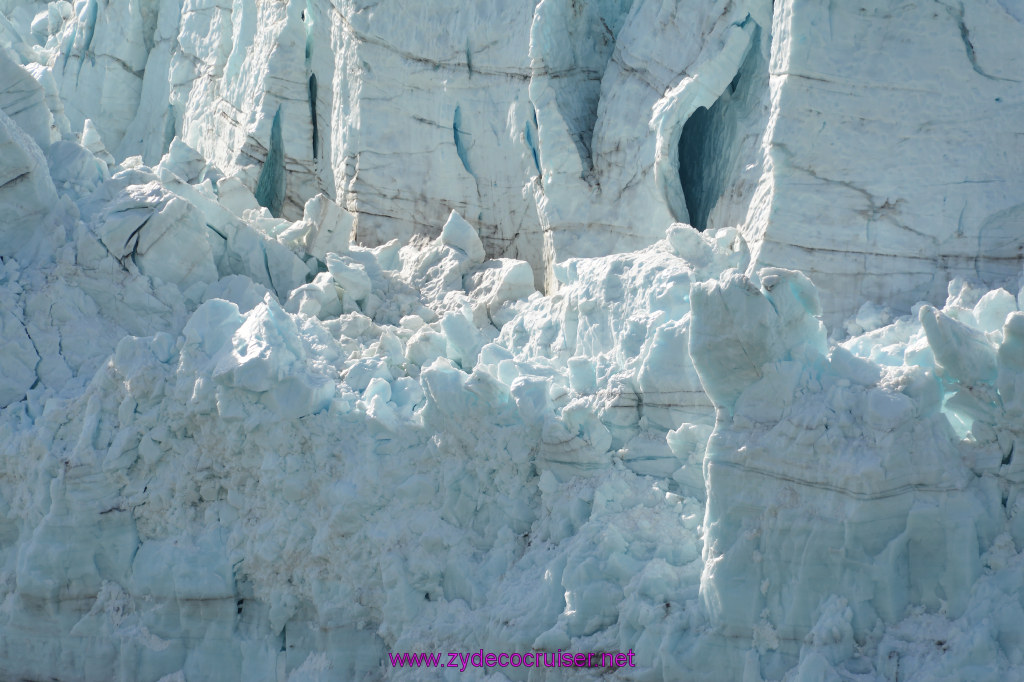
pixel 684 328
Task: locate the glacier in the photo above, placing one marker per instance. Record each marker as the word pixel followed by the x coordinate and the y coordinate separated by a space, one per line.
pixel 687 328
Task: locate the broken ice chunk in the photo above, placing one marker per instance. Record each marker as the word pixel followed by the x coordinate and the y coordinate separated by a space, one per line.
pixel 74 169
pixel 92 141
pixel 319 298
pixel 325 227
pixel 263 354
pixel 351 277
pixel 992 309
pixel 183 161
pixel 164 235
pixel 263 350
pixel 235 196
pixel 459 234
pixel 962 351
pixel 500 280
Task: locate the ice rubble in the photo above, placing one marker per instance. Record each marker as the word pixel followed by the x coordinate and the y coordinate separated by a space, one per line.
pixel 235 454
pixel 238 445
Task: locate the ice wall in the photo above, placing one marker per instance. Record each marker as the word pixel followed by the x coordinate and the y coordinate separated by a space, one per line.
pixel 543 125
pixel 567 129
pixel 904 160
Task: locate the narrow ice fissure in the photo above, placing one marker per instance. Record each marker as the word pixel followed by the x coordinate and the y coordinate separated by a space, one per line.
pixel 530 136
pixel 92 10
pixel 270 276
pixel 965 35
pixel 89 18
pixel 271 184
pixel 460 136
pixel 710 145
pixel 312 113
pixel 307 21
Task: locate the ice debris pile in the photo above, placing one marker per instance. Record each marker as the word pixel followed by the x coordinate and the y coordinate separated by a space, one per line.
pixel 245 448
pixel 237 444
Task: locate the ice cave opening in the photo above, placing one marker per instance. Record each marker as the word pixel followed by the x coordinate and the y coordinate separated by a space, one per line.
pixel 712 151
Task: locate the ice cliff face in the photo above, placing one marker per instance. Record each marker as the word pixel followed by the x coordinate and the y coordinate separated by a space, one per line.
pixel 548 124
pixel 279 393
pixel 905 155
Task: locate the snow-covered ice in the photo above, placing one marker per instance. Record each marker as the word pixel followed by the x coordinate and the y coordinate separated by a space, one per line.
pixel 681 327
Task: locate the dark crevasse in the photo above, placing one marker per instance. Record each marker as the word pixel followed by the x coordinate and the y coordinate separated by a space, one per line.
pixel 270 187
pixel 530 136
pixel 714 145
pixel 312 113
pixel 462 143
pixel 90 17
pixel 307 21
